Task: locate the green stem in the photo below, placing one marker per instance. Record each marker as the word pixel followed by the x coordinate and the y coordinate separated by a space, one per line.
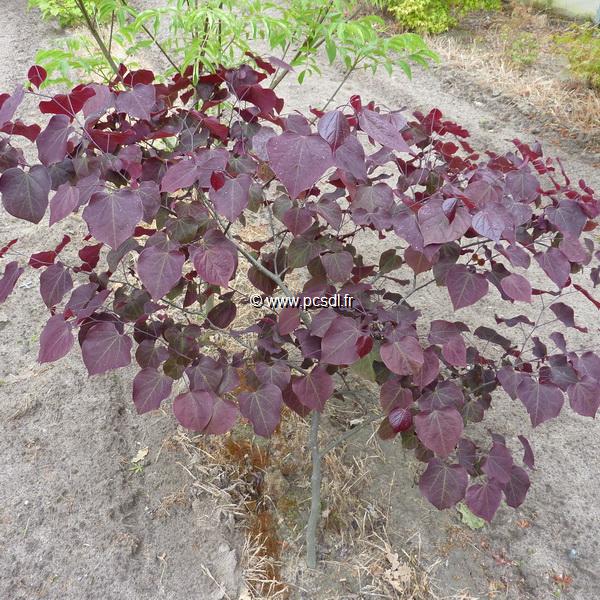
pixel 92 29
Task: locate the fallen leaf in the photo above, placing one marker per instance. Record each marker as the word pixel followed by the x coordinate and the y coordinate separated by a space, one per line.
pixel 140 456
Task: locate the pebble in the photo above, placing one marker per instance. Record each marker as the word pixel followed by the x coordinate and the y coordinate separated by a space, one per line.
pixel 572 553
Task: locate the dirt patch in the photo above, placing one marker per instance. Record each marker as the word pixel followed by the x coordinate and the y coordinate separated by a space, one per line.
pixel 78 518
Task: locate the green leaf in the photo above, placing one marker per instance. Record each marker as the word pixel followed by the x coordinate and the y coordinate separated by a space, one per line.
pixel 331 50
pixel 468 518
pixel 364 366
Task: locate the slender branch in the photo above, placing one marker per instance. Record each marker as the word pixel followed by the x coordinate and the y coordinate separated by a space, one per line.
pixel 155 41
pixel 315 489
pixel 341 85
pixel 92 29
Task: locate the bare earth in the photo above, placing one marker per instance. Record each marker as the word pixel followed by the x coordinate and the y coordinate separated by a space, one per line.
pixel 78 521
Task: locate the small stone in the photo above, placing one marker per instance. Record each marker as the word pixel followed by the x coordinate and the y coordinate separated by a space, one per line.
pixel 572 553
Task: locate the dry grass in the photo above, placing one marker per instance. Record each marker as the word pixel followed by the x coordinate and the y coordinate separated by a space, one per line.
pixel 513 53
pixel 264 486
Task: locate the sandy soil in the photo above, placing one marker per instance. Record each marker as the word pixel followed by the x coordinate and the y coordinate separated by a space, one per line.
pixel 76 522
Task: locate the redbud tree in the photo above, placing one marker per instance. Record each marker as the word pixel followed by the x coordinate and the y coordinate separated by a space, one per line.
pixel 166 177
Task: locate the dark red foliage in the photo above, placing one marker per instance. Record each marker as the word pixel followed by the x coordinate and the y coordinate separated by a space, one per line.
pixel 166 178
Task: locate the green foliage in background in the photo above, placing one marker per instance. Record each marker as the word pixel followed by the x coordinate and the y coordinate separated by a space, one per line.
pixel 65 11
pixel 432 16
pixel 205 34
pixel 581 46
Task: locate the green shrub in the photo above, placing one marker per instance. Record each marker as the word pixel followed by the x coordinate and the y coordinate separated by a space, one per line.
pixel 581 45
pixel 432 16
pixel 522 49
pixel 65 11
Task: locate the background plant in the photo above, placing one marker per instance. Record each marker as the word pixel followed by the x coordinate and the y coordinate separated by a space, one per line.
pixel 432 16
pixel 65 11
pixel 581 45
pixel 164 262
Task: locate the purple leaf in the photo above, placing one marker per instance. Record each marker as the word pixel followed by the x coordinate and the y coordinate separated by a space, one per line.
pixel 522 185
pixel 338 346
pixel 429 371
pixel 516 488
pixel 465 286
pixel 55 282
pixel 528 458
pixel 159 267
pixel 566 315
pixel 149 354
pixel 393 395
pixel 314 388
pixel 198 168
pixel 333 128
pixel 193 409
pixel 11 274
pixel 262 408
pixel 288 320
pixel 113 216
pixel 516 287
pixel 25 194
pixel 403 357
pixel 223 417
pixel 350 157
pixel 498 463
pixel 484 500
pixel 322 321
pixel 102 100
pixel 138 102
pixel 443 485
pixel 446 393
pixel 56 339
pixel 150 196
pixel 555 264
pixel 483 192
pixel 584 397
pixel 567 217
pixel 543 401
pixel 63 203
pixel 439 430
pixel 467 455
pixel 216 260
pixel 105 349
pixel 297 220
pixel 338 265
pixel 298 160
pixel 232 198
pixel 517 256
pixel 181 175
pixel 150 388
pixel 510 379
pixel 277 373
pixel 382 129
pixel 490 223
pixel 52 143
pixel 588 364
pixel 10 105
